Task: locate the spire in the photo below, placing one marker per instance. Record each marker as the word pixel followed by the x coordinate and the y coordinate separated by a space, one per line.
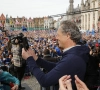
pixel 86 3
pixel 71 6
pixel 71 1
pixel 82 2
pixel 82 5
pixel 78 6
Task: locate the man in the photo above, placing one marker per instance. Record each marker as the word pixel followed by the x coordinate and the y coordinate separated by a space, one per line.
pixel 73 61
pixel 17 60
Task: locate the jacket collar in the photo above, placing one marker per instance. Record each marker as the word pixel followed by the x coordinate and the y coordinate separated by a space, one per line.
pixel 69 48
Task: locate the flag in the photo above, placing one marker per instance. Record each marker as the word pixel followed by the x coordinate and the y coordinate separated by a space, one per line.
pixel 16 22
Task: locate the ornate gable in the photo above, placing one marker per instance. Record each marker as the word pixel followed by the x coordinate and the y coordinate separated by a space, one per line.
pixel 2 17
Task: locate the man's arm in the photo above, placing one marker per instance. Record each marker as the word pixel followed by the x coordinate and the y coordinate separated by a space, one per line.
pixel 45 64
pixel 68 65
pixel 52 77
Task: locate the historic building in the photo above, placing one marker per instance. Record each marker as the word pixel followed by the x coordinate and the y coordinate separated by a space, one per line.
pixel 30 24
pixel 74 14
pixel 24 21
pixel 2 20
pixel 57 23
pixel 41 23
pixel 48 22
pixel 86 16
pixel 18 23
pixel 38 23
pixel 12 21
pixel 89 20
pixel 51 22
pixel 15 23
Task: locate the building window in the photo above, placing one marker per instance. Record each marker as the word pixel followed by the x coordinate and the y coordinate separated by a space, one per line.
pixel 93 4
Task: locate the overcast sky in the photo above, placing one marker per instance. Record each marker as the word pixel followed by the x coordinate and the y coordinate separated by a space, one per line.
pixel 34 8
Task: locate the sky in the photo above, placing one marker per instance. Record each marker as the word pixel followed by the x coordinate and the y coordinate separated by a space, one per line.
pixel 34 8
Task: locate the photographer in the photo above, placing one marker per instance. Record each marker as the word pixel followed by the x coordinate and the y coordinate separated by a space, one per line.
pixel 17 60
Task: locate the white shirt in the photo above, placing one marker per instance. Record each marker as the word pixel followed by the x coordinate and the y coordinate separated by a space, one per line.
pixel 70 48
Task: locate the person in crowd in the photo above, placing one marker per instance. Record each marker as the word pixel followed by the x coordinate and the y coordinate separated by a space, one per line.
pixel 17 60
pixel 73 61
pixel 65 83
pixel 58 51
pixel 47 56
pixel 8 81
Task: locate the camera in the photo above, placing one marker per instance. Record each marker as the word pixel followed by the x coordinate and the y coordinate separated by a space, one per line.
pixel 20 39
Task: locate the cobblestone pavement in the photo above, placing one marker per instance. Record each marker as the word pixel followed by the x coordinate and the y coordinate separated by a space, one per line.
pixel 32 83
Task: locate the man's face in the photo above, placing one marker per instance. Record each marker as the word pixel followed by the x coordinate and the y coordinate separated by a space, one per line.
pixel 61 38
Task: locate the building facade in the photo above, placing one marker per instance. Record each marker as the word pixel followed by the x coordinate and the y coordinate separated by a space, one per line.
pixel 48 22
pixel 74 14
pixel 38 23
pixel 2 21
pixel 57 23
pixel 86 16
pixel 20 22
pixel 90 20
pixel 30 24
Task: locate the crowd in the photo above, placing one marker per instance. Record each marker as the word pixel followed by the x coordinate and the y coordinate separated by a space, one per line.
pixel 60 48
pixel 44 47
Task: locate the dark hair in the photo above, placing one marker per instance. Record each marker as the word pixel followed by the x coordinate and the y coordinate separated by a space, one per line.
pixel 71 28
pixel 46 51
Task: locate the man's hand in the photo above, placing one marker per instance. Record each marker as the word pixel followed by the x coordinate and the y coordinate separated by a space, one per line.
pixel 65 83
pixel 28 53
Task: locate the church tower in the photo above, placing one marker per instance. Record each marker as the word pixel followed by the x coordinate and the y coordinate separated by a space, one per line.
pixel 82 5
pixel 71 6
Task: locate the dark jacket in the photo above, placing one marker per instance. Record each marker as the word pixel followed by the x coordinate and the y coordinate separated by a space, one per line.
pixel 50 59
pixel 72 63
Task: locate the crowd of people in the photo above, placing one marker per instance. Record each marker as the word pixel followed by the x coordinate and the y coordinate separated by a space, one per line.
pixel 58 53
